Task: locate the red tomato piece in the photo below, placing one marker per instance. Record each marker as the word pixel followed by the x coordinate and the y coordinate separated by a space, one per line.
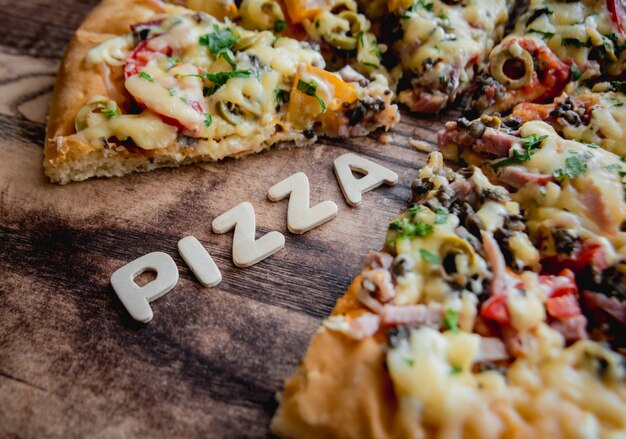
pixel 563 307
pixel 495 308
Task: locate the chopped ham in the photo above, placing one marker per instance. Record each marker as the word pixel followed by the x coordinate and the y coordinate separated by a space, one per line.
pixel 365 325
pixel 491 349
pixel 392 315
pixel 495 143
pixel 518 177
pixel 379 260
pixel 496 262
pixel 598 209
pixel 378 282
pixel 366 299
pixel 572 329
pixel 611 306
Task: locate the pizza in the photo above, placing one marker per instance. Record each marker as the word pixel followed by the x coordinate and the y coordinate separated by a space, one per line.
pixel 184 87
pixel 555 46
pixel 439 45
pixel 454 329
pixel 497 305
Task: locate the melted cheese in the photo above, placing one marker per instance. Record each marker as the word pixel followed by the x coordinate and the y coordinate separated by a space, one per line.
pixel 165 77
pixel 552 395
pixel 449 37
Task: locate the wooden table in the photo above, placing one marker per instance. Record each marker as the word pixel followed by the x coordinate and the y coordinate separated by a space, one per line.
pixel 72 361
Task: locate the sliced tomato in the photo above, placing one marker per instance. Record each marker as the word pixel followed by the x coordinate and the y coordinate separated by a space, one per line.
pixel 495 308
pixel 563 307
pixel 591 255
pixel 617 11
pixel 141 56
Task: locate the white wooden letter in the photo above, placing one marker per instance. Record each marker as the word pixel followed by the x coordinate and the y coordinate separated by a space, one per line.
pixel 135 298
pixel 353 188
pixel 300 217
pixel 199 261
pixel 246 250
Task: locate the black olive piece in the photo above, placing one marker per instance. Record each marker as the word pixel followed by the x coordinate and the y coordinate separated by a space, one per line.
pixel 398 335
pixel 513 123
pixel 356 114
pixel 309 134
pixel 402 265
pixel 565 242
pixel 421 188
pixel 477 129
pixel 449 263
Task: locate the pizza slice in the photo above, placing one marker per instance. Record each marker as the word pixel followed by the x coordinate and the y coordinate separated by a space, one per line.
pixel 438 45
pixel 555 47
pixel 596 116
pixel 184 87
pixel 456 330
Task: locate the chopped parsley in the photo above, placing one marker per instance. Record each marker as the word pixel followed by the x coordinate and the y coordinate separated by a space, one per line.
pixel 573 42
pixel 409 229
pixel 281 95
pixel 228 57
pixel 429 257
pixel 441 216
pixel 574 166
pixel 544 35
pixel 619 86
pixel 219 40
pixel 442 15
pixel 110 112
pixel 310 89
pixel 575 72
pixel 529 144
pixel 415 209
pixel 409 361
pixel 220 78
pixel 422 4
pixel 455 370
pixel 280 25
pixel 171 91
pixel 589 144
pixel 451 320
pixel 146 76
pixel 208 119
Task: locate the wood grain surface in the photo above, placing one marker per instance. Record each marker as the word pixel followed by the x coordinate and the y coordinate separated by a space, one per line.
pixel 72 362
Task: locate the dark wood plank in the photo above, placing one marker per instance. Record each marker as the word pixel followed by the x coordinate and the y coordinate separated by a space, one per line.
pixel 72 362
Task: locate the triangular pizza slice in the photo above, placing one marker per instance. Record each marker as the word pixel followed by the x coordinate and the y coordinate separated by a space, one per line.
pixel 488 314
pixel 183 87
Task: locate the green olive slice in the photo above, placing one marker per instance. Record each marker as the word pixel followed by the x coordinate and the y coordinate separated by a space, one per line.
pixel 229 113
pixel 80 122
pixel 500 57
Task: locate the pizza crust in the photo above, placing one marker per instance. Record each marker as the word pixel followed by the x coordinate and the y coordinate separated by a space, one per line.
pixel 70 157
pixel 342 388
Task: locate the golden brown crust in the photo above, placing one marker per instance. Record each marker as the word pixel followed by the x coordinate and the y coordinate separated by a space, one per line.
pixel 341 389
pixel 65 155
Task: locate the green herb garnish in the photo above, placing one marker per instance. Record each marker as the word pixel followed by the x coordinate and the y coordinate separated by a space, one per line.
pixel 544 35
pixel 529 144
pixel 228 57
pixel 441 216
pixel 575 72
pixel 171 91
pixel 451 320
pixel 219 40
pixel 409 229
pixel 146 76
pixel 281 96
pixel 429 257
pixel 574 166
pixel 409 361
pixel 280 25
pixel 208 119
pixel 565 42
pixel 310 89
pixel 110 112
pixel 415 209
pixel 455 370
pixel 220 78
